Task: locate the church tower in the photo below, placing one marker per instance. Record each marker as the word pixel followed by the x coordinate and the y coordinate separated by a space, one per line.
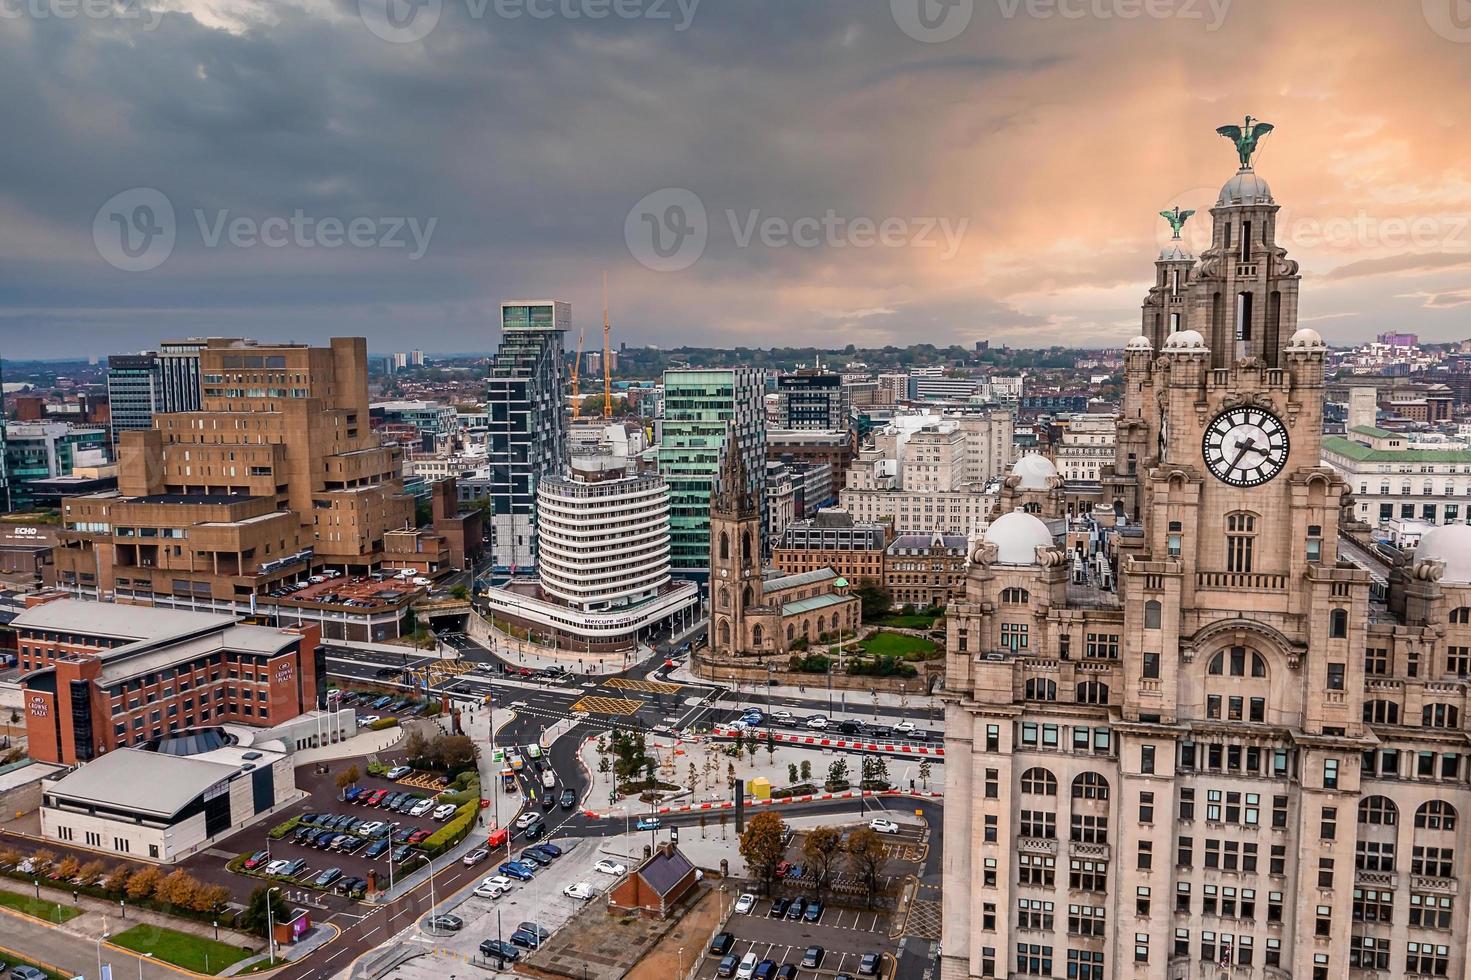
pixel 735 553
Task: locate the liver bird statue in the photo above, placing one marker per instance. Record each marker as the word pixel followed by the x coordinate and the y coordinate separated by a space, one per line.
pixel 1246 138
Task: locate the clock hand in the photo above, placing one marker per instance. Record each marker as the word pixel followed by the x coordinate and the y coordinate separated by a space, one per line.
pixel 1242 450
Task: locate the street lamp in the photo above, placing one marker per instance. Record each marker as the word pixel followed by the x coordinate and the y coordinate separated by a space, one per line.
pixel 145 956
pixel 681 963
pixel 270 930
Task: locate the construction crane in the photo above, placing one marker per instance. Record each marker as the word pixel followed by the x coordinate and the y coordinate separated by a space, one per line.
pixel 607 374
pixel 576 372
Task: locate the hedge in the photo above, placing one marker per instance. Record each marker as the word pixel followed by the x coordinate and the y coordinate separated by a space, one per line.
pixel 452 832
pixel 282 829
pixel 382 723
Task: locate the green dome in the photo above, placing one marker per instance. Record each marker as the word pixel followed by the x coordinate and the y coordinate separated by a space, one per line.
pixel 841 583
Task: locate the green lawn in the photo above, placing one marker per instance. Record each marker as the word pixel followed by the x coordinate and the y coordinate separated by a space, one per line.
pixel 184 949
pixel 901 645
pixel 903 621
pixel 42 909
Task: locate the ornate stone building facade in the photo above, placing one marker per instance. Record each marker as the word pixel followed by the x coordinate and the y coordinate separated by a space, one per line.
pixel 757 611
pixel 1249 757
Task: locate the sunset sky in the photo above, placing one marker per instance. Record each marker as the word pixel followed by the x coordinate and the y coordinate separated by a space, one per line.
pixel 1042 139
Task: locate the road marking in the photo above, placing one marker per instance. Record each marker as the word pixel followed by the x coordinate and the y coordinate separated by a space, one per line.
pixel 608 706
pixel 648 687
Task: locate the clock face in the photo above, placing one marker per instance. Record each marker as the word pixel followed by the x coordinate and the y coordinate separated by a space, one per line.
pixel 1245 447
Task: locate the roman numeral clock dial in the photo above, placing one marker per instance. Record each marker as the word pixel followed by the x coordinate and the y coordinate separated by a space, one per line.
pixel 1245 447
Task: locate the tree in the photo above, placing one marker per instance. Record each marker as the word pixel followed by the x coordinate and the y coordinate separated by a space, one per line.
pixel 343 781
pixel 792 773
pixel 460 592
pixel 837 774
pixel 821 849
pixel 9 857
pixel 143 883
pixel 416 746
pixel 753 746
pixel 177 888
pixel 117 879
pixel 761 845
pixel 211 898
pixel 254 919
pixel 865 852
pixel 92 872
pixel 730 776
pixel 43 861
pixel 694 777
pixel 604 766
pixel 874 601
pixel 353 775
pixel 770 746
pixel 806 770
pixel 924 772
pixel 68 869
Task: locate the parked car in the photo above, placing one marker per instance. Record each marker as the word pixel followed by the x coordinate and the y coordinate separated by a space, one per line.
pixel 786 971
pixel 418 835
pixel 745 904
pixel 274 867
pixel 765 970
pixel 747 969
pixel 795 910
pixel 293 868
pixel 812 959
pixel 493 887
pixel 721 944
pixel 579 890
pixel 256 860
pixel 728 964
pixel 371 828
pixel 548 848
pixel 536 930
pixel 534 857
pixel 525 939
pixel 444 811
pixel 398 772
pixel 24 972
pixel 445 922
pixel 868 966
pixel 377 848
pixel 779 908
pixel 609 868
pixel 352 793
pixel 421 808
pixel 401 853
pixel 517 870
pixel 327 877
pixel 499 950
pixel 883 826
pixel 813 911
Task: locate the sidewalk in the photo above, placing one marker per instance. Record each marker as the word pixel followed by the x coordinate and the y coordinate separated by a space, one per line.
pixel 523 653
pixel 365 742
pixel 815 690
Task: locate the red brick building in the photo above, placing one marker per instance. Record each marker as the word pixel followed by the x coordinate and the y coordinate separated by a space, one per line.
pixel 656 887
pixel 102 675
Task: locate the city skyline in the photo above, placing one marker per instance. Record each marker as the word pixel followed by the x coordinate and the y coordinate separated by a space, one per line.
pixel 1018 222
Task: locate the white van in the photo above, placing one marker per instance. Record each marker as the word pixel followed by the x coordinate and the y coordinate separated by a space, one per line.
pixel 549 780
pixel 747 969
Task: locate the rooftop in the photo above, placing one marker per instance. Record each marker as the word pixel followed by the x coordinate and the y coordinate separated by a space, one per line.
pixel 145 782
pixel 814 603
pixel 1357 451
pixel 118 620
pixel 665 869
pixel 813 577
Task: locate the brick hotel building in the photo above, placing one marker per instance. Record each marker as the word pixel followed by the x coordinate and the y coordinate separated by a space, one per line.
pixel 102 676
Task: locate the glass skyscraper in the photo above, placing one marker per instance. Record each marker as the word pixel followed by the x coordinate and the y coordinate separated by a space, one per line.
pixel 702 409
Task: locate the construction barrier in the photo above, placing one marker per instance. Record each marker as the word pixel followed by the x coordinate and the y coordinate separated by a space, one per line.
pixel 824 742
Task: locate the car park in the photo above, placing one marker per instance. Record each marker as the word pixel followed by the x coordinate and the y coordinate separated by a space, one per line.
pixel 445 922
pixel 397 772
pixel 579 890
pixel 745 904
pixel 883 826
pixel 475 856
pixel 609 868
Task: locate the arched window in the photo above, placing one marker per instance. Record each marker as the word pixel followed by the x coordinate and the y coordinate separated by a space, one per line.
pixel 1092 692
pixel 724 597
pixel 1381 712
pixel 1240 541
pixel 1436 815
pixel 1040 689
pixel 1153 612
pixel 1378 810
pixel 1090 786
pixel 1032 508
pixel 1338 624
pixel 1461 615
pixel 746 549
pixel 1039 781
pixel 1015 597
pixel 746 596
pixel 1234 662
pixel 757 634
pixel 791 632
pixel 724 546
pixel 821 625
pixel 1439 716
pixel 725 633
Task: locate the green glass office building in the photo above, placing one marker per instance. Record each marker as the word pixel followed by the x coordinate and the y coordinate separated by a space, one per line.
pixel 702 409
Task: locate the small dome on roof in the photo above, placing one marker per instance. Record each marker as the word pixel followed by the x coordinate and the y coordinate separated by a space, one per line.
pixel 1174 253
pixel 1140 342
pixel 1017 536
pixel 1450 543
pixel 1185 340
pixel 1035 471
pixel 1306 337
pixel 841 583
pixel 1245 189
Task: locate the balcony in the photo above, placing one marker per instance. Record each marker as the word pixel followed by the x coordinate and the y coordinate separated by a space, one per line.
pixel 1091 852
pixel 1376 879
pixel 1241 581
pixel 1036 845
pixel 1439 886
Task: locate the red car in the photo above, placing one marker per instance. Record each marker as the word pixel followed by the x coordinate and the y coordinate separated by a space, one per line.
pixel 376 797
pixel 527 672
pixel 418 836
pixel 782 868
pixel 255 860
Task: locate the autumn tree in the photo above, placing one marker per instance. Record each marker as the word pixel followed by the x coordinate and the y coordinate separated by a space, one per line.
pixel 91 872
pixel 43 861
pixel 761 845
pixel 865 850
pixel 117 879
pixel 9 857
pixel 143 883
pixel 353 775
pixel 211 898
pixel 821 849
pixel 177 888
pixel 68 869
